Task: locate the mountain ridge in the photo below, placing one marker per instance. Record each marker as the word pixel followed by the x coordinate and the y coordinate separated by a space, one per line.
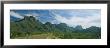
pixel 29 25
pixel 31 21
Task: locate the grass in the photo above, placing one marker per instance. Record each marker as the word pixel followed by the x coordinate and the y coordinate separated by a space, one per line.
pixel 59 35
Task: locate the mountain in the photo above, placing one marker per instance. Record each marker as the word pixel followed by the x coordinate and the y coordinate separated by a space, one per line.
pixel 93 29
pixel 30 24
pixel 78 27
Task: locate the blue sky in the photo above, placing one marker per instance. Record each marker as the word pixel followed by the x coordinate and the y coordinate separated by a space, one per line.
pixel 72 17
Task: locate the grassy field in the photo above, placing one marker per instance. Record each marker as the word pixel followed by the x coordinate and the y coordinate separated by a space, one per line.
pixel 60 35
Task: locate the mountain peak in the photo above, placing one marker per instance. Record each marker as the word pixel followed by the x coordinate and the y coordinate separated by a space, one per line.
pixel 79 27
pixel 29 18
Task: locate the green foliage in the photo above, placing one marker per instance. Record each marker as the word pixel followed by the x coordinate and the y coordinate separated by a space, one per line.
pixel 31 28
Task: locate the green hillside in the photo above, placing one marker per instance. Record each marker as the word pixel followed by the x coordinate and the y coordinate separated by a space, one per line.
pixel 30 28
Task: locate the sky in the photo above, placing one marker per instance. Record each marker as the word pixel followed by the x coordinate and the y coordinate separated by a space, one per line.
pixel 72 17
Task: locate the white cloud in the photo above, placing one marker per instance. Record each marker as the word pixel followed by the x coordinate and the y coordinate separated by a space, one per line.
pixel 84 21
pixel 12 13
pixel 17 15
pixel 28 14
pixel 32 14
